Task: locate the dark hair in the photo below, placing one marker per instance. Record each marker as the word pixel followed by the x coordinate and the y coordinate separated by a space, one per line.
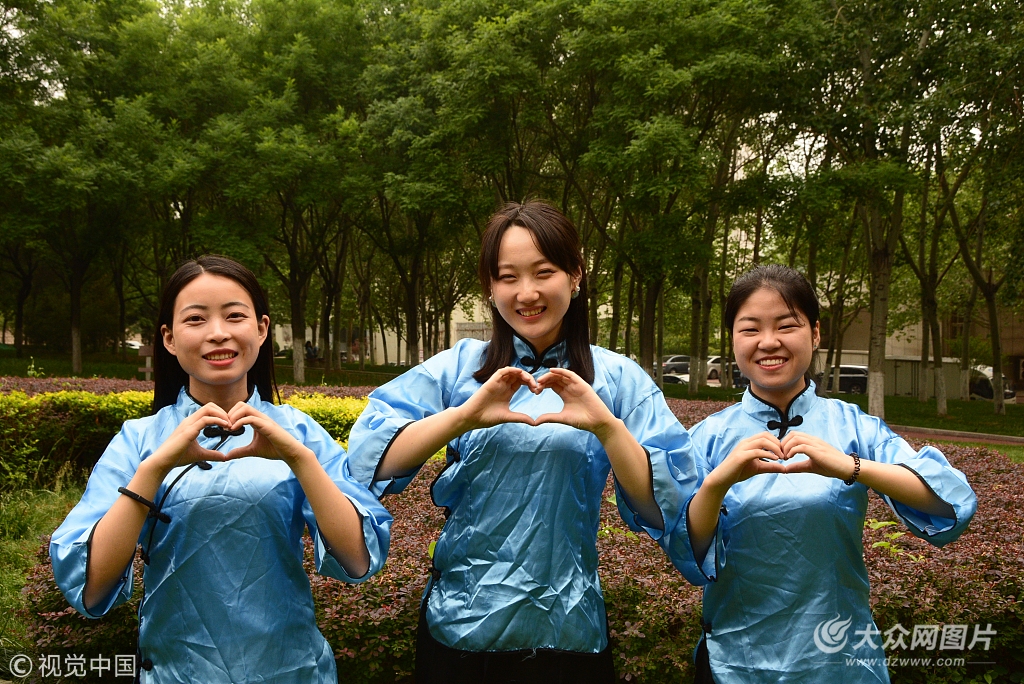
pixel 557 240
pixel 792 286
pixel 168 375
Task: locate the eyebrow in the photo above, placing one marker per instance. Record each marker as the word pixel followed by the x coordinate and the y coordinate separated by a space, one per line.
pixel 538 262
pixel 203 307
pixel 791 314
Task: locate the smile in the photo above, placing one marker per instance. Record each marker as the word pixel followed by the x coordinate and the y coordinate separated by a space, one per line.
pixel 220 356
pixel 530 313
pixel 771 363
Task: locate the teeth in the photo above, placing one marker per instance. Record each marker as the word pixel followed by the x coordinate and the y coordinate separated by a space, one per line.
pixel 530 312
pixel 220 357
pixel 771 362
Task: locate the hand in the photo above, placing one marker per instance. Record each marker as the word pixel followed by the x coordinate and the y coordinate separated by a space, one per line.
pixel 582 408
pixel 745 461
pixel 822 457
pixel 489 405
pixel 181 448
pixel 269 440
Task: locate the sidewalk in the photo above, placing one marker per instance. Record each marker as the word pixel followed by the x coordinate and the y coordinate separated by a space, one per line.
pixel 956 435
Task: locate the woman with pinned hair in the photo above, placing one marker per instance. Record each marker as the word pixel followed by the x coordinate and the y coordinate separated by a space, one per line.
pixel 218 486
pixel 532 421
pixel 777 523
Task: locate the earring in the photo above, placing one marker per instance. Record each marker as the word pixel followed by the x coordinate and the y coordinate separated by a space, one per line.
pixel 491 300
pixel 575 293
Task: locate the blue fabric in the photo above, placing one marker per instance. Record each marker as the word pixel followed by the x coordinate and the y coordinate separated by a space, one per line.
pixel 517 556
pixel 789 554
pixel 227 599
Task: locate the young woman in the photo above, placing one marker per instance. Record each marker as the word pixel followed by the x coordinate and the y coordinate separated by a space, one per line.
pixel 218 486
pixel 532 422
pixel 779 517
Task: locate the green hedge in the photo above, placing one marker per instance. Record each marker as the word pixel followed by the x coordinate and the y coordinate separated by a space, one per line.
pixel 61 434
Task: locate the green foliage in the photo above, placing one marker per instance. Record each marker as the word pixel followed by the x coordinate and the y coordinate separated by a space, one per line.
pixel 53 437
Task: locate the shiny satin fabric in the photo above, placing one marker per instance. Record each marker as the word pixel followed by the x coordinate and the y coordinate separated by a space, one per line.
pixel 517 557
pixel 789 555
pixel 226 596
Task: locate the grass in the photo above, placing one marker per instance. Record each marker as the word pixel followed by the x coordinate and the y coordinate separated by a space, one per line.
pixel 55 364
pixel 24 517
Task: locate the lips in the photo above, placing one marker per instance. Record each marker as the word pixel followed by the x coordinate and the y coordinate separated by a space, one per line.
pixel 220 355
pixel 771 362
pixel 530 313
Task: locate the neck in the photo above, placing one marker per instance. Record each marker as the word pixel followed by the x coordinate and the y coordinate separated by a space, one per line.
pixel 781 397
pixel 225 396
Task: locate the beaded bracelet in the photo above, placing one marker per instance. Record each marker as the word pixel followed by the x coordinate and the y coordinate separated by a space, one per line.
pixel 856 469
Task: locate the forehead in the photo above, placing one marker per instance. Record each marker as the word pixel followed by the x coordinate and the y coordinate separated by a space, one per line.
pixel 766 304
pixel 211 291
pixel 519 248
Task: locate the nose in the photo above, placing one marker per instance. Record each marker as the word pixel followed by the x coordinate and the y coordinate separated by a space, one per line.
pixel 769 339
pixel 217 331
pixel 527 292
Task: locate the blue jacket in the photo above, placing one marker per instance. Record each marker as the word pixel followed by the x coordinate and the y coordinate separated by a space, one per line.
pixel 517 557
pixel 226 596
pixel 788 557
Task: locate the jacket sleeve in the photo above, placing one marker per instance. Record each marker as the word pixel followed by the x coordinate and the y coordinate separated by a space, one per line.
pixel 410 397
pixel 375 518
pixel 931 467
pixel 69 545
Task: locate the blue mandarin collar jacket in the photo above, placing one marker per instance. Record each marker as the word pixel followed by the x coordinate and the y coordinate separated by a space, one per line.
pixel 788 555
pixel 226 596
pixel 517 559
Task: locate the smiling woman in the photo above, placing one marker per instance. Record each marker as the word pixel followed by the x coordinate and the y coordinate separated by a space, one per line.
pixel 532 422
pixel 784 489
pixel 218 486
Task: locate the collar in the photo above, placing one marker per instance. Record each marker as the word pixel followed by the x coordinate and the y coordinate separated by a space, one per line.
pixel 772 416
pixel 187 404
pixel 555 356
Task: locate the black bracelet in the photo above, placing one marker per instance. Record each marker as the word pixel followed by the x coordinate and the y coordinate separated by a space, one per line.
pixel 154 511
pixel 856 469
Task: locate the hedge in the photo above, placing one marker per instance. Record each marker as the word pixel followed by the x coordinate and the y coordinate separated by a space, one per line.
pixel 653 614
pixel 61 434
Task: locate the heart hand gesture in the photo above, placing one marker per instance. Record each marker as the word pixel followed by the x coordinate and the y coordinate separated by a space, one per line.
pixel 582 408
pixel 747 459
pixel 181 448
pixel 489 405
pixel 269 439
pixel 822 457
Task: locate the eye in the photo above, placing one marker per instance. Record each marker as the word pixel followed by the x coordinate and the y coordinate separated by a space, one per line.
pixel 545 272
pixel 194 318
pixel 237 315
pixel 507 277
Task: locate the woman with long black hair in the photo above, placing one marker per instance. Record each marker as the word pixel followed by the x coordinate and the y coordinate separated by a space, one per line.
pixel 532 421
pixel 218 486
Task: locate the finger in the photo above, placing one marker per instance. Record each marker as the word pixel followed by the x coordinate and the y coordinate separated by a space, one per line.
pixel 559 418
pixel 210 455
pixel 210 409
pixel 516 417
pixel 802 466
pixel 768 444
pixel 768 466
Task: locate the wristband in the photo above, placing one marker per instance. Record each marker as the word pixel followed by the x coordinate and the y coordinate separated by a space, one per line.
pixel 154 511
pixel 856 469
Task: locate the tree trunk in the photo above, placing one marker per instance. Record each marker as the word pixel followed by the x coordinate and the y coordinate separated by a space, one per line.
pixel 298 310
pixel 705 326
pixel 922 375
pixel 965 346
pixel 725 373
pixel 412 323
pixel 938 367
pixel 76 323
pixel 19 316
pixel 383 340
pixel 613 336
pixel 997 350
pixel 881 272
pixel 336 349
pixel 659 368
pixel 695 306
pixel 629 316
pixel 647 315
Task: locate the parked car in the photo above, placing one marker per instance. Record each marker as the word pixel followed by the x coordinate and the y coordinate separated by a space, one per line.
pixel 714 367
pixel 676 364
pixel 981 384
pixel 852 379
pixel 675 378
